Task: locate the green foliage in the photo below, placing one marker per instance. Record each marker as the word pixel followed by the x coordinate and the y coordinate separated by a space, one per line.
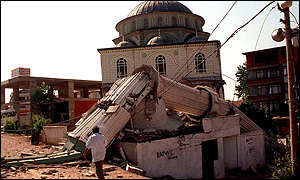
pixel 258 115
pixel 38 122
pixel 43 94
pixel 9 124
pixel 281 165
pixel 43 97
pixel 242 87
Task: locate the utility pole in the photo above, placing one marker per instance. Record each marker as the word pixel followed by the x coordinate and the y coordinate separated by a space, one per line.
pixel 291 91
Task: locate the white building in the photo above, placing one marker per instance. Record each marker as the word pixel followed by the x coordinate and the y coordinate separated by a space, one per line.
pixel 169 37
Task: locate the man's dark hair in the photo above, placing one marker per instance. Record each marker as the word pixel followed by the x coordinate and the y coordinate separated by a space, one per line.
pixel 96 129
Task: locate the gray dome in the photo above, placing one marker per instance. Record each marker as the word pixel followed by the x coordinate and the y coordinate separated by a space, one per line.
pixel 125 44
pixel 157 40
pixel 196 39
pixel 159 6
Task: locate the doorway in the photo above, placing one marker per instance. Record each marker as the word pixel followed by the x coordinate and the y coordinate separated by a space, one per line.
pixel 209 154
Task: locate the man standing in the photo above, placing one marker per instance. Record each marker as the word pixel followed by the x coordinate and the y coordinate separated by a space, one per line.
pixel 96 143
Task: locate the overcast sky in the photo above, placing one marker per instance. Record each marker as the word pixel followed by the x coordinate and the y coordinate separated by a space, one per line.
pixel 59 39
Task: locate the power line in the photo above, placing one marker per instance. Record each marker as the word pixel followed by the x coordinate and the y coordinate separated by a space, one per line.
pixel 235 32
pixel 263 26
pixel 223 17
pixel 294 17
pixel 179 73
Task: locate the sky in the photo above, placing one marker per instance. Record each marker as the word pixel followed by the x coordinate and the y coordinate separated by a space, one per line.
pixel 59 39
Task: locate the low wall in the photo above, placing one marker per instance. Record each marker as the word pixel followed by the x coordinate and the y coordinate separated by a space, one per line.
pixel 54 134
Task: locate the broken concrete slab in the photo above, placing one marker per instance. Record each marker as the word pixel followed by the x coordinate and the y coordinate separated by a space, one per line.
pixel 136 170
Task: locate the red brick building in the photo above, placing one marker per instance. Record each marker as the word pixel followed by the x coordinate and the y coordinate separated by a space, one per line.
pixel 267 77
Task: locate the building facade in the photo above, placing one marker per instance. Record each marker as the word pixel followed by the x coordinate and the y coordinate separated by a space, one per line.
pixel 169 37
pixel 267 77
pixel 73 98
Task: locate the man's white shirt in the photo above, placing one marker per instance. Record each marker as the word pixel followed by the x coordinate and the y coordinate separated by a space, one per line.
pixel 96 143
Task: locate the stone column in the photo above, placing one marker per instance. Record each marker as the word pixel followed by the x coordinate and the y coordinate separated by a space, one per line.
pixel 16 102
pixel 85 93
pixel 71 100
pixel 32 88
pixel 2 96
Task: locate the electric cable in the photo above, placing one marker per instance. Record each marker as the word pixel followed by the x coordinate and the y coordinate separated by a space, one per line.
pixel 263 26
pixel 294 17
pixel 223 18
pixel 178 73
pixel 235 32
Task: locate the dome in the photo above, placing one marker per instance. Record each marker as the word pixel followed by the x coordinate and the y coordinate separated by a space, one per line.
pixel 157 40
pixel 125 44
pixel 159 6
pixel 196 39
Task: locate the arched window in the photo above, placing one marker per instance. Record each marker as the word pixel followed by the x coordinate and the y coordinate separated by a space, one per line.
pixel 133 26
pixel 187 22
pixel 146 23
pixel 121 68
pixel 160 64
pixel 196 24
pixel 159 21
pixel 200 63
pixel 174 21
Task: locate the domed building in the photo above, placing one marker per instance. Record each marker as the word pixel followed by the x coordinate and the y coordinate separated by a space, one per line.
pixel 168 36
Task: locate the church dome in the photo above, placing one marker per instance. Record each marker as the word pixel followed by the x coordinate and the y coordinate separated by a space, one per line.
pixel 159 6
pixel 125 44
pixel 158 40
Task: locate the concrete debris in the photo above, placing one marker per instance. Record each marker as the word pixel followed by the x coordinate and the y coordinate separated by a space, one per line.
pixel 136 170
pixel 50 172
pixel 90 174
pixel 27 154
pixel 109 169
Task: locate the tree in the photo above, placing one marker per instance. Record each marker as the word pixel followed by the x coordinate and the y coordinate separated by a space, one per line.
pixel 259 115
pixel 242 87
pixel 43 97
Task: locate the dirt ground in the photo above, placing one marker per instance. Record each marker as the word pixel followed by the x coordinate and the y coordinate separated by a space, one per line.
pixel 12 145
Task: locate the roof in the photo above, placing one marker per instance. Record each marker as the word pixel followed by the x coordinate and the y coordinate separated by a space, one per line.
pixel 159 6
pixel 262 50
pixel 23 82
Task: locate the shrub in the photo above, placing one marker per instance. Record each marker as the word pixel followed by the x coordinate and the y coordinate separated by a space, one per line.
pixel 281 165
pixel 9 124
pixel 38 122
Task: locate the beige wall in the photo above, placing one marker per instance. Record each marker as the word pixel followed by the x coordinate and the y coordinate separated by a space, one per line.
pixel 176 59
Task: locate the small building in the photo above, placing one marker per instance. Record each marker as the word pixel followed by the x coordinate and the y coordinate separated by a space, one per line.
pixel 74 97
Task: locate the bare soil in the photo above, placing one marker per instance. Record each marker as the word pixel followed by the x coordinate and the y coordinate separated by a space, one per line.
pixel 12 145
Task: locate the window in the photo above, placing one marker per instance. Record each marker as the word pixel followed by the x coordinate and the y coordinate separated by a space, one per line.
pixel 146 23
pixel 285 71
pixel 275 89
pixel 160 63
pixel 159 21
pixel 200 62
pixel 262 90
pixel 252 91
pixel 121 68
pixel 251 75
pixel 187 22
pixel 174 21
pixel 133 26
pixel 274 73
pixel 196 24
pixel 259 74
pixel 283 53
pixel 274 106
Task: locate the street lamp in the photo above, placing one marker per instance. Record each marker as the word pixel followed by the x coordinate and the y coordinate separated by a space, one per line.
pixel 278 35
